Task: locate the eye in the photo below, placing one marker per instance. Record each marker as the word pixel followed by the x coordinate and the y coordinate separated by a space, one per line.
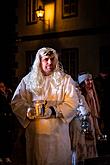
pixel 46 59
pixel 52 59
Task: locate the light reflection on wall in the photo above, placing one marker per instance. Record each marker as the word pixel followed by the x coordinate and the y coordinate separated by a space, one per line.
pixel 49 16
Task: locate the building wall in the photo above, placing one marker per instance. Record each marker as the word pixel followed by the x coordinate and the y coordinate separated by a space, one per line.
pixel 85 32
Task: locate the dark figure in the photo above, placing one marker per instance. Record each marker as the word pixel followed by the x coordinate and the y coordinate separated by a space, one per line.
pixel 102 83
pixel 5 126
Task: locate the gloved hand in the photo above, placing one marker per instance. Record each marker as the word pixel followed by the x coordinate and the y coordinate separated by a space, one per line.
pixel 31 113
pixel 81 110
pixel 48 113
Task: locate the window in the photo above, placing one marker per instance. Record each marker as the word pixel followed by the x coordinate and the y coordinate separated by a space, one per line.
pixel 69 59
pixel 30 56
pixel 31 6
pixel 70 8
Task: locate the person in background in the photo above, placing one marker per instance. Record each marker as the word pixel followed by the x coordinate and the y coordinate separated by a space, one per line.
pixel 9 94
pixel 6 125
pixel 102 84
pixel 44 103
pixel 88 90
pixel 102 81
pixel 81 128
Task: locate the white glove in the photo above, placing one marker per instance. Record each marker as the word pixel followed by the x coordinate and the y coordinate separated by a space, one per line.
pixel 81 109
pixel 31 113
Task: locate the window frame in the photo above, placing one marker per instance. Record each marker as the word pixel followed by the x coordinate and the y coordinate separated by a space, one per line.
pixel 70 60
pixel 68 6
pixel 31 6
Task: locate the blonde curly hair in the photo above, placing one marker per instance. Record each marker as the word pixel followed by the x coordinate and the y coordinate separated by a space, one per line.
pixel 36 77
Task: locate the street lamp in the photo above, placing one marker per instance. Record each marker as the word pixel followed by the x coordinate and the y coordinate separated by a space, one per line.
pixel 40 13
pixel 40 16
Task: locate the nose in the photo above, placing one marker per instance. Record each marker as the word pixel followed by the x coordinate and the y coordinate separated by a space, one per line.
pixel 49 61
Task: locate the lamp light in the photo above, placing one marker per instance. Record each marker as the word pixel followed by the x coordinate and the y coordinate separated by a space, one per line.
pixel 40 16
pixel 40 13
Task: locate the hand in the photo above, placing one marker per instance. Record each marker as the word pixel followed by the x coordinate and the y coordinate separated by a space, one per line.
pixel 48 113
pixel 81 110
pixel 55 112
pixel 31 113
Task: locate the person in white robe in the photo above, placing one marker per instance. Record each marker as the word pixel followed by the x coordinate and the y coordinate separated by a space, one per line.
pixel 82 132
pixel 87 87
pixel 45 102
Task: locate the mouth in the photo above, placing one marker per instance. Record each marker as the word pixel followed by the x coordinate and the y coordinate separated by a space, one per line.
pixel 49 68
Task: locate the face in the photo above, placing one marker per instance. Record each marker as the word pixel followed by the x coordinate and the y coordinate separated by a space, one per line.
pixel 89 83
pixel 2 87
pixel 48 64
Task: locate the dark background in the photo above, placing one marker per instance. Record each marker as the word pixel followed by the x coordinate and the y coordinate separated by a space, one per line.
pixel 8 22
